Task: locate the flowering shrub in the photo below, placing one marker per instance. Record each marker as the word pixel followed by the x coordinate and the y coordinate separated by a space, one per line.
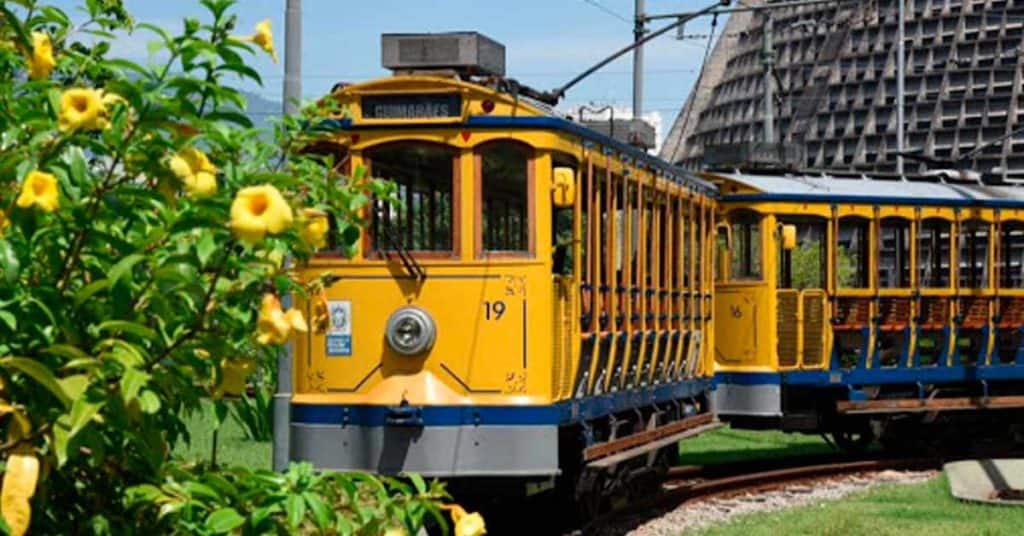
pixel 143 221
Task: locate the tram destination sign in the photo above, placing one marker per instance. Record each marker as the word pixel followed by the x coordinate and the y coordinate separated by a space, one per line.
pixel 411 106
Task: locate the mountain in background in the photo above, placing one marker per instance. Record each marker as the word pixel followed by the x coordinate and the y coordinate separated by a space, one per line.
pixel 261 109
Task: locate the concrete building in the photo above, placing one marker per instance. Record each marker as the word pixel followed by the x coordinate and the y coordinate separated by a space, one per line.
pixel 835 86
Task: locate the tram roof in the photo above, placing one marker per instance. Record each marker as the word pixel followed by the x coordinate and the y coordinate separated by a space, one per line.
pixel 862 189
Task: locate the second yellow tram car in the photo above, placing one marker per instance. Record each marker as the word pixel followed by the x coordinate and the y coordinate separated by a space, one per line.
pixel 863 307
pixel 536 307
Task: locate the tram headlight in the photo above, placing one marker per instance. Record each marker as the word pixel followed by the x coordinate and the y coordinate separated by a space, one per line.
pixel 410 331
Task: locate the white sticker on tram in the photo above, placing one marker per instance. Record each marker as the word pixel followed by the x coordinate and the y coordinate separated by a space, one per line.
pixel 339 334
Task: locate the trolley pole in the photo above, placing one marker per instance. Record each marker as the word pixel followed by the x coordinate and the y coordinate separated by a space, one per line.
pixel 292 95
pixel 639 29
pixel 900 75
pixel 768 61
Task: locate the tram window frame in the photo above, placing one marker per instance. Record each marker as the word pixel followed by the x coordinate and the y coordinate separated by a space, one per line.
pixel 374 250
pixel 860 247
pixel 746 253
pixel 968 242
pixel 342 165
pixel 804 225
pixel 1011 236
pixel 901 255
pixel 930 272
pixel 562 238
pixel 481 214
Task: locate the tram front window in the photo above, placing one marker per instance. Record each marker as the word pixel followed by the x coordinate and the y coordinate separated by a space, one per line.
pixel 504 197
pixel 422 220
pixel 745 255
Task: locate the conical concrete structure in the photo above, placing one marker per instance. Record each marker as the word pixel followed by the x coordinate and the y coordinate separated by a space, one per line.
pixel 835 85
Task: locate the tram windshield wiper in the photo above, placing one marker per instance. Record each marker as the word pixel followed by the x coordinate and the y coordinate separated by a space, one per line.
pixel 413 268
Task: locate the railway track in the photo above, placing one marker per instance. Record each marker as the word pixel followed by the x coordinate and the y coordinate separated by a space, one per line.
pixel 698 483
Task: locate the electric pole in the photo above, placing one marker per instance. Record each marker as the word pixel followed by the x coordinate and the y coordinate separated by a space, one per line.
pixel 639 29
pixel 900 75
pixel 292 56
pixel 768 61
pixel 292 95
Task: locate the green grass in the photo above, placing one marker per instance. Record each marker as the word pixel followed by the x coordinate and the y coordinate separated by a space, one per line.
pixel 232 446
pixel 894 510
pixel 726 445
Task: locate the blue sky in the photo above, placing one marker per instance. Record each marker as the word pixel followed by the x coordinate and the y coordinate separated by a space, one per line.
pixel 547 42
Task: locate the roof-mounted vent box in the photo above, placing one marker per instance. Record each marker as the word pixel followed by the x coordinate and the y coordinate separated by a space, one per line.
pixel 464 52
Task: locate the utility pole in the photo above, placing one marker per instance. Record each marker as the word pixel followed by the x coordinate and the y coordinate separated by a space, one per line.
pixel 639 29
pixel 292 56
pixel 292 94
pixel 900 75
pixel 768 61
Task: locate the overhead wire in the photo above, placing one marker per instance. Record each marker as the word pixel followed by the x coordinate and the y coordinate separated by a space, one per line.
pixel 607 10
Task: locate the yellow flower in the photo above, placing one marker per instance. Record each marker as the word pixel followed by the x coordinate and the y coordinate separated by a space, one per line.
pixel 19 485
pixel 296 321
pixel 39 189
pixel 81 108
pixel 321 320
pixel 466 524
pixel 258 210
pixel 233 375
pixel 272 325
pixel 195 171
pixel 40 61
pixel 396 531
pixel 314 228
pixel 263 38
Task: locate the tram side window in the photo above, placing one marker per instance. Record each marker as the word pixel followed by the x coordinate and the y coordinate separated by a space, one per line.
pixel 745 255
pixel 853 253
pixel 805 266
pixel 933 254
pixel 894 253
pixel 973 254
pixel 1012 257
pixel 504 196
pixel 424 218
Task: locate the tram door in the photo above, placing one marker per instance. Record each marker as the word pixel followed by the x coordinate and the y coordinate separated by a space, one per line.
pixel 801 317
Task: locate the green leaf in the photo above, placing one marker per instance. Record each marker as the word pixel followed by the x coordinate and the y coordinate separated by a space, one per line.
pixel 40 373
pixel 129 327
pixel 224 520
pixel 123 266
pixel 295 508
pixel 74 385
pixel 78 167
pixel 61 438
pixel 321 512
pixel 202 491
pixel 418 483
pixel 82 413
pixel 205 248
pixel 8 318
pixel 132 382
pixel 89 291
pixel 67 351
pixel 9 264
pixel 149 403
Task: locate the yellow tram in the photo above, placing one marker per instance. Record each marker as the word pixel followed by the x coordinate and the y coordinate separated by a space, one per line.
pixel 844 300
pixel 538 303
